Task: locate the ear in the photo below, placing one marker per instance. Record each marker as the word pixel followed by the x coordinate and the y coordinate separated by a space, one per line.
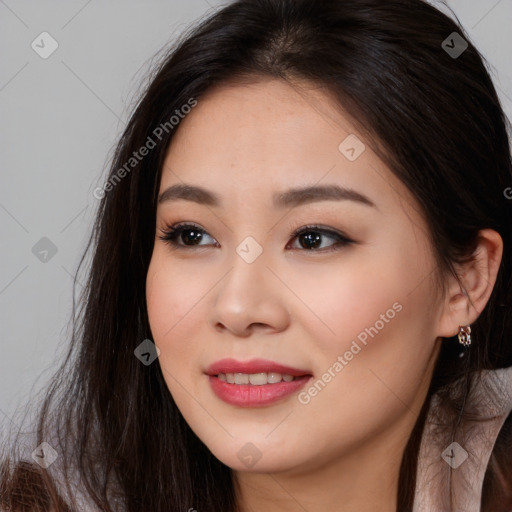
pixel 463 305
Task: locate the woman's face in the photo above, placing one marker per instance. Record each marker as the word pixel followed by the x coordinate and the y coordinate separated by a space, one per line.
pixel 357 320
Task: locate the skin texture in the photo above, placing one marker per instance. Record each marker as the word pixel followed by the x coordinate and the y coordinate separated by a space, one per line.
pixel 297 306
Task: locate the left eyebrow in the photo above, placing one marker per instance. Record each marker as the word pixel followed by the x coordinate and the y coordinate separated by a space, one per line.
pixel 304 195
pixel 288 199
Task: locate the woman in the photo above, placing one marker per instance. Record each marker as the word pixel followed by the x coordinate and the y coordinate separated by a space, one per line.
pixel 300 296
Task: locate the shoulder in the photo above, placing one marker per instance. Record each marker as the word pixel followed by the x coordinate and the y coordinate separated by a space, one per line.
pixel 492 395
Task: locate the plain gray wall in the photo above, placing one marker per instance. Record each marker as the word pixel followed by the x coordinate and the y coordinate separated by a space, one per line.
pixel 59 120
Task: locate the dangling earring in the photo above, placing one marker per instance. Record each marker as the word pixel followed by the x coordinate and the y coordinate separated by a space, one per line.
pixel 465 335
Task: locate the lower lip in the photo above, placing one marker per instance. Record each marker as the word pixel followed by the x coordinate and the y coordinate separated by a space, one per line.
pixel 247 395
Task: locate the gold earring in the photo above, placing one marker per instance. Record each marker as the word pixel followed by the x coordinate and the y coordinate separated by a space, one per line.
pixel 465 335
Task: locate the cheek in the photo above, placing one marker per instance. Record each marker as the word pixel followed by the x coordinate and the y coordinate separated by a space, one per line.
pixel 382 315
pixel 359 298
pixel 173 293
pixel 378 314
pixel 171 299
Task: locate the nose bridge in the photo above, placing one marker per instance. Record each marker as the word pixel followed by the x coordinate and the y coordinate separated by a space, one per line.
pixel 248 268
pixel 250 250
pixel 246 295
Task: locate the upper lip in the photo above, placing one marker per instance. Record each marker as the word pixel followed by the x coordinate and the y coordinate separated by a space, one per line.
pixel 252 366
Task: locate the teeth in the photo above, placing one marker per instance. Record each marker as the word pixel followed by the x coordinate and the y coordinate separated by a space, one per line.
pixel 241 378
pixel 274 377
pixel 256 379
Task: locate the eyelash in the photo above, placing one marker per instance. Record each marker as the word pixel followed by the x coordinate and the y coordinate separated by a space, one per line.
pixel 171 233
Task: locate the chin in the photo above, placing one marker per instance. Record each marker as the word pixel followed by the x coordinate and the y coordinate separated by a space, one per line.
pixel 245 456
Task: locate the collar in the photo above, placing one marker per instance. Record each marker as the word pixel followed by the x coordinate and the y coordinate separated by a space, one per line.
pixel 490 401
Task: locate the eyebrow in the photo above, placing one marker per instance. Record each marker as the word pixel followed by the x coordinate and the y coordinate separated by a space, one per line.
pixel 289 199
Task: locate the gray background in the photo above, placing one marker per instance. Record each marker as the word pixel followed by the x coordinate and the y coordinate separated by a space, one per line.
pixel 60 118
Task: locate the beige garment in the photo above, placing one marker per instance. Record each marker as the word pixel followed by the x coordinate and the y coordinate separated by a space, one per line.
pixel 467 461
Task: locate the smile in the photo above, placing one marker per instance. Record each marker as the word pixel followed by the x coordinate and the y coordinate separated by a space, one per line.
pixel 255 379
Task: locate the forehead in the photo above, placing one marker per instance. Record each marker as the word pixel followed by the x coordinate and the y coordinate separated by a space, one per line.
pixel 257 139
pixel 265 121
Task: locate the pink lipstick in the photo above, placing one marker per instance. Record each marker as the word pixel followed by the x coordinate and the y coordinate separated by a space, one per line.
pixel 254 383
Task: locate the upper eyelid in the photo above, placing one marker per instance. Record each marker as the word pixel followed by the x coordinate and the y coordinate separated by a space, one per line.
pixel 326 231
pixel 296 231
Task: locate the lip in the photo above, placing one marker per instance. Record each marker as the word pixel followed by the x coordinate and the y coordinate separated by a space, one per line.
pixel 252 366
pixel 247 395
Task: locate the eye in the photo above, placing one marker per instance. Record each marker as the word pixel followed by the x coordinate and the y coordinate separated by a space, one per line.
pixel 311 237
pixel 183 236
pixel 187 233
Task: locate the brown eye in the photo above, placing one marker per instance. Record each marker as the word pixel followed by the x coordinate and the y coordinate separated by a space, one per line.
pixel 311 237
pixel 183 235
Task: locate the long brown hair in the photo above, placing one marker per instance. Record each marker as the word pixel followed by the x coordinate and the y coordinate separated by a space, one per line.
pixel 434 118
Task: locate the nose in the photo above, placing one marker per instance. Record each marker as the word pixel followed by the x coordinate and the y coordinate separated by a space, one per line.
pixel 250 298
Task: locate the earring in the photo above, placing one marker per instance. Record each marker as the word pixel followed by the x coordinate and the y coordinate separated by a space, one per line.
pixel 465 335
